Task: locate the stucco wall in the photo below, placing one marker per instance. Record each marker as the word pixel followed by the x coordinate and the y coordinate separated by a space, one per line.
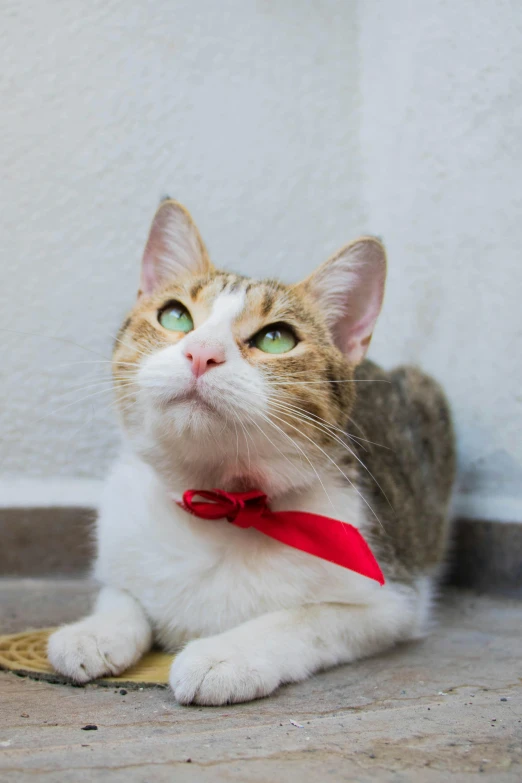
pixel 441 151
pixel 247 112
pixel 287 129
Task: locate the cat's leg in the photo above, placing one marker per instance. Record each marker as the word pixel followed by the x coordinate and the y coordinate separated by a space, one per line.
pixel 111 639
pixel 253 659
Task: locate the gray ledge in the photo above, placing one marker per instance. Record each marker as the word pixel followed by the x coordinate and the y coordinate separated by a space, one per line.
pixel 487 557
pixel 41 542
pixel 51 542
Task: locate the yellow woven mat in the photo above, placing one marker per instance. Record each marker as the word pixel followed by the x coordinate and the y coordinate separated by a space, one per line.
pixel 25 653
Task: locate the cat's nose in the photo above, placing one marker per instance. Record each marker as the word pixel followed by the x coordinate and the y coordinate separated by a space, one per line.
pixel 203 358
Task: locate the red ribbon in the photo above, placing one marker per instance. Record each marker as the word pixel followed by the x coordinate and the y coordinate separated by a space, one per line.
pixel 330 539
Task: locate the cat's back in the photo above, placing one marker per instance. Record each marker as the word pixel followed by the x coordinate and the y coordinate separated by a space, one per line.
pixel 406 412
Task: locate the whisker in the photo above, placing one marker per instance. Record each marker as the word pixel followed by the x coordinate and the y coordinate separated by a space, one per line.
pixel 118 403
pixel 342 443
pixel 342 431
pixel 92 361
pixel 365 440
pixel 309 413
pixel 316 421
pixel 108 383
pixel 320 419
pixel 133 347
pixel 333 463
pixel 234 419
pixel 327 382
pixel 245 434
pixel 252 421
pixel 52 337
pixel 296 445
pixel 74 402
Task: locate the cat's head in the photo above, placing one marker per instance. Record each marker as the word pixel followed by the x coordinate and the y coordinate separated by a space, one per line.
pixel 232 381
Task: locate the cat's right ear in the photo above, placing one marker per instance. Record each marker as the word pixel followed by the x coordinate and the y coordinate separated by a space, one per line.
pixel 174 248
pixel 349 288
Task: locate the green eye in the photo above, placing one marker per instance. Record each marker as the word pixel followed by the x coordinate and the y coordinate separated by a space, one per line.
pixel 176 318
pixel 276 338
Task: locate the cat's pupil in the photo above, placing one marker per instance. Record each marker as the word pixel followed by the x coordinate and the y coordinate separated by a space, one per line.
pixel 176 317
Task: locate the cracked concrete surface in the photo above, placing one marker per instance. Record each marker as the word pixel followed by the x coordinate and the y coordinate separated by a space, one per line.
pixel 449 707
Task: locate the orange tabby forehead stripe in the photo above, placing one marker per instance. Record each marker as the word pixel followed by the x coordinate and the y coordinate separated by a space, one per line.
pixel 309 377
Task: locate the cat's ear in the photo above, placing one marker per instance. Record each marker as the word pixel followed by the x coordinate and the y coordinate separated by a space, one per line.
pixel 174 248
pixel 349 289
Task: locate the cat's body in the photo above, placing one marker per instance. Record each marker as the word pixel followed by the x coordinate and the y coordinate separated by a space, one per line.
pixel 258 612
pixel 406 413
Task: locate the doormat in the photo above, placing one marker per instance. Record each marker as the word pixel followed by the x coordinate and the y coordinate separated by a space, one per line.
pixel 26 655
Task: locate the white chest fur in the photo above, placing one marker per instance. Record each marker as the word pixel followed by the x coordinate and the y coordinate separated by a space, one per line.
pixel 200 577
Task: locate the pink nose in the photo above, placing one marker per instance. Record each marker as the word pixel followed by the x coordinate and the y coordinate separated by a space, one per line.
pixel 203 358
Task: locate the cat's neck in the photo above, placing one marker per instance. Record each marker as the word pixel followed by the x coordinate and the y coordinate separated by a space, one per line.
pixel 264 478
pixel 183 465
pixel 324 494
pixel 275 477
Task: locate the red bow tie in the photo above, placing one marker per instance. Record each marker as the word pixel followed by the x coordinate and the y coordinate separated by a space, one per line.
pixel 323 537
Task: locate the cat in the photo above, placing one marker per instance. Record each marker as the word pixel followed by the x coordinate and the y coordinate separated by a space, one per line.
pixel 227 382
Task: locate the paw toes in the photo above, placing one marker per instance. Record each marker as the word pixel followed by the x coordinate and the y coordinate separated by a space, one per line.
pixel 76 653
pixel 200 677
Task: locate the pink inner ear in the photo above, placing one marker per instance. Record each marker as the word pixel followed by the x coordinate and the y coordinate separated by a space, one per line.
pixel 358 279
pixel 354 345
pixel 173 248
pixel 148 277
pixel 152 266
pixel 354 336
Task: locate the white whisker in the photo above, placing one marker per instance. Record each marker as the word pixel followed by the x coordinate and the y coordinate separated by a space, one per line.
pixel 252 421
pixel 74 402
pixel 52 337
pixel 296 445
pixel 338 440
pixel 326 382
pixel 333 463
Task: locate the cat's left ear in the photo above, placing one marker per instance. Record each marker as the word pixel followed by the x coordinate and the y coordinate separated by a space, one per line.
pixel 174 248
pixel 349 289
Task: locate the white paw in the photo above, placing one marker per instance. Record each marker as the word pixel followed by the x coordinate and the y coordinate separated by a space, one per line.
pixel 84 651
pixel 216 671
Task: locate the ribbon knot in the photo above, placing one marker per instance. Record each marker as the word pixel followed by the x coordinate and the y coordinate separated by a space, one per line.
pixel 241 508
pixel 330 539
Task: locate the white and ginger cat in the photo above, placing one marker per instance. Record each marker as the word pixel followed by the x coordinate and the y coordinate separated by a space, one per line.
pixel 232 383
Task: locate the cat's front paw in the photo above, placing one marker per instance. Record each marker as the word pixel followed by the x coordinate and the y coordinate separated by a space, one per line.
pixel 85 652
pixel 215 671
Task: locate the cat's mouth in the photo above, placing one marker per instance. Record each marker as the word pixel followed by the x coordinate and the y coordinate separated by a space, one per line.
pixel 193 398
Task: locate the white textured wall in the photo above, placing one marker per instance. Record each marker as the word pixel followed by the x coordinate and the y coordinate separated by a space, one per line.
pixel 245 111
pixel 287 128
pixel 441 150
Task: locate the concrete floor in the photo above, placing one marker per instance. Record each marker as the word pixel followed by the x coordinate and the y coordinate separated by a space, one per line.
pixel 447 708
